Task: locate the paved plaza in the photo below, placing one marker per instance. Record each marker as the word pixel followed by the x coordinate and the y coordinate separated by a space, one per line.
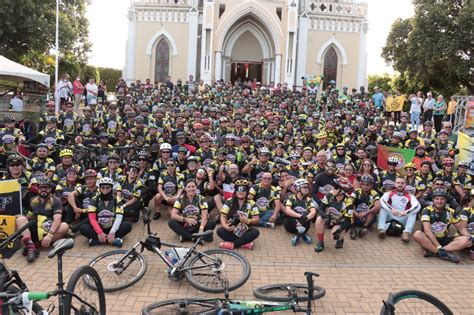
pixel 357 278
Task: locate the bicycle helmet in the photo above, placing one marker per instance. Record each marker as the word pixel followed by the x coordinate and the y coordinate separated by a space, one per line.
pixel 344 184
pixel 14 158
pixel 367 179
pixel 448 160
pixel 193 158
pixel 44 181
pixel 66 152
pixel 9 118
pixel 397 134
pixel 142 153
pixel 241 185
pixel 392 160
pixel 294 155
pixel 133 164
pixel 105 181
pixel 299 183
pixel 439 192
pixel 90 173
pixel 321 135
pixel 409 165
pixel 113 157
pixel 165 146
pixel 463 163
pixel 264 150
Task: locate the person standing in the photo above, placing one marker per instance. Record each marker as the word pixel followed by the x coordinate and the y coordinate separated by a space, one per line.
pixel 102 92
pixel 398 106
pixel 428 106
pixel 16 103
pixel 415 110
pixel 451 109
pixel 78 89
pixel 64 89
pixel 439 111
pixel 91 90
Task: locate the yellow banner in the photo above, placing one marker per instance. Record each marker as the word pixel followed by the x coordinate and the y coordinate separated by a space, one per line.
pixel 466 149
pixel 8 186
pixel 7 227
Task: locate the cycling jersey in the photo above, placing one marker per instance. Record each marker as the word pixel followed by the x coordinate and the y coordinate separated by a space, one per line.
pixel 338 211
pixel 440 220
pixel 171 184
pixel 363 201
pixel 264 197
pixel 106 213
pixel 191 208
pixel 300 206
pixel 467 215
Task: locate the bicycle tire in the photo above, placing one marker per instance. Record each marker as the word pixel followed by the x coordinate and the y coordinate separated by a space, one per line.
pixel 242 270
pixel 81 274
pixel 109 270
pixel 282 289
pixel 394 298
pixel 209 307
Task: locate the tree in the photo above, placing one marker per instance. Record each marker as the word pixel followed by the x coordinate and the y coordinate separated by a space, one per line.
pixel 27 32
pixel 382 81
pixel 110 77
pixel 432 51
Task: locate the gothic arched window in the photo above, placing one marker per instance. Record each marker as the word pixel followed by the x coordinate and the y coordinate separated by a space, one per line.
pixel 162 60
pixel 330 66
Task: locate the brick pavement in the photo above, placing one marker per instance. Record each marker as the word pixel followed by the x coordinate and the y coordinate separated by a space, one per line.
pixel 357 278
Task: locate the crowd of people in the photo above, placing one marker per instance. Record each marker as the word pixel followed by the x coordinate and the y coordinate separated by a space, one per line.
pixel 244 157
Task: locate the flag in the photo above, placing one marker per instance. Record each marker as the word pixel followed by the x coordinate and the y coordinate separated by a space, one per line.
pixel 466 150
pixel 315 79
pixel 228 190
pixel 402 155
pixel 10 197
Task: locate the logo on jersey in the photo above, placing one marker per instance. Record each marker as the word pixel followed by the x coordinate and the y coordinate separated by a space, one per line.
pixel 106 218
pixel 169 188
pixel 362 208
pixel 300 210
pixel 439 228
pixel 262 203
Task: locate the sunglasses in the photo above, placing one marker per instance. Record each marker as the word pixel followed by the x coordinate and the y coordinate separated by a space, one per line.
pixel 166 152
pixel 170 165
pixel 15 164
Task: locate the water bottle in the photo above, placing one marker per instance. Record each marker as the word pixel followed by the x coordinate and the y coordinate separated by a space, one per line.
pixel 170 255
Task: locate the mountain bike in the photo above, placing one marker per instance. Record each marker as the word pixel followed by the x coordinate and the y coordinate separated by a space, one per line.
pixel 209 271
pixel 77 298
pixel 281 297
pixel 413 302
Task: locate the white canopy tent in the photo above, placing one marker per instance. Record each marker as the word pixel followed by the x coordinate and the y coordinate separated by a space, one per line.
pixel 10 70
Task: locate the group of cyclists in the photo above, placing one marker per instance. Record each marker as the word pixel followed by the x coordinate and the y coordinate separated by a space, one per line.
pixel 242 156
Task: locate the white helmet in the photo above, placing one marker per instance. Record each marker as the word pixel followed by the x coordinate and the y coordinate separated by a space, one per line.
pixel 463 163
pixel 165 146
pixel 393 159
pixel 300 183
pixel 105 181
pixel 264 150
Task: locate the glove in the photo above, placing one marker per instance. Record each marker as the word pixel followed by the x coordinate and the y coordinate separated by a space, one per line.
pixel 303 218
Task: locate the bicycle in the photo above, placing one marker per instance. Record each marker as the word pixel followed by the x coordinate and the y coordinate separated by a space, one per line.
pixel 413 302
pixel 281 297
pixel 76 298
pixel 209 271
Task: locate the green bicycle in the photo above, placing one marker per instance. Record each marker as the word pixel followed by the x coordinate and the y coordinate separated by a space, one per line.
pixel 281 297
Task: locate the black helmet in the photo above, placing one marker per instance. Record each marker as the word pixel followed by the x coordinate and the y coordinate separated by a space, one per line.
pixel 367 179
pixel 44 181
pixel 439 192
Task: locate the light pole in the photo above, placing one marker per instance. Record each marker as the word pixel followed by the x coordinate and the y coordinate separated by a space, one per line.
pixel 56 70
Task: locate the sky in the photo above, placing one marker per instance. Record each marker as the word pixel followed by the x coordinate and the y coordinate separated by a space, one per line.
pixel 108 27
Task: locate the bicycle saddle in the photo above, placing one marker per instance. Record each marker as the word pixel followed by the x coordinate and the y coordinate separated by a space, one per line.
pixel 205 233
pixel 60 246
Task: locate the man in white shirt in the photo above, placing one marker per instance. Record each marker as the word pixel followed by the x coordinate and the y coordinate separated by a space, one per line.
pixel 92 90
pixel 16 103
pixel 400 206
pixel 428 106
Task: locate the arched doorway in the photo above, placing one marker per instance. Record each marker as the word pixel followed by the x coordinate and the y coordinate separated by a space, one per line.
pixel 247 56
pixel 162 60
pixel 330 66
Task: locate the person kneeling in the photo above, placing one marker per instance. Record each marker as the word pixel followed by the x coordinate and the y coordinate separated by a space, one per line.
pixel 190 214
pixel 47 211
pixel 106 224
pixel 237 214
pixel 434 238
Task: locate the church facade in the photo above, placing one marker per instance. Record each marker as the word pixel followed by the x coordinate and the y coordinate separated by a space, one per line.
pixel 267 40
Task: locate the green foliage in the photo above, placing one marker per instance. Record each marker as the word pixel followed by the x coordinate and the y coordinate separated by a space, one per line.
pixel 432 50
pixel 110 77
pixel 27 33
pixel 88 72
pixel 382 81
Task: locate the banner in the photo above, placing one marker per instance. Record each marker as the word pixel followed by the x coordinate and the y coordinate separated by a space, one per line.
pixel 470 113
pixel 466 150
pixel 315 79
pixel 403 156
pixel 10 197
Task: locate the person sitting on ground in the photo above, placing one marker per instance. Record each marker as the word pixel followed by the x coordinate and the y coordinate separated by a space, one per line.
pixel 190 214
pixel 433 237
pixel 106 224
pixel 467 219
pixel 46 209
pixel 367 205
pixel 335 211
pixel 267 199
pixel 300 210
pixel 237 216
pixel 129 190
pixel 399 206
pixel 170 188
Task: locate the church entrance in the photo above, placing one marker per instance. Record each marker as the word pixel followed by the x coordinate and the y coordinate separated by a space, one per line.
pixel 246 70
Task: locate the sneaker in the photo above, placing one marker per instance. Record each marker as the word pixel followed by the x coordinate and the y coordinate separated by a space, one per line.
pixel 118 242
pixel 136 217
pixel 430 254
pixel 71 234
pixel 406 237
pixel 157 216
pixel 226 245
pixel 319 247
pixel 31 254
pixel 339 244
pixel 247 246
pixel 382 233
pixel 181 239
pixel 294 240
pixel 449 256
pixel 307 239
pixel 269 225
pixel 336 234
pixel 93 242
pixel 363 232
pixel 353 233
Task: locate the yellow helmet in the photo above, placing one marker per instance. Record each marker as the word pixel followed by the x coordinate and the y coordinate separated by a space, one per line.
pixel 409 165
pixel 66 152
pixel 321 135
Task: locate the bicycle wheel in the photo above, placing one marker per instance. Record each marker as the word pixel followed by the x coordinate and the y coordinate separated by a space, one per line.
pixel 283 292
pixel 77 285
pixel 413 302
pixel 183 306
pixel 211 269
pixel 118 276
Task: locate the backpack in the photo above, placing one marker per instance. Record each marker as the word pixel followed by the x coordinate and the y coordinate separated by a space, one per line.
pixel 395 228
